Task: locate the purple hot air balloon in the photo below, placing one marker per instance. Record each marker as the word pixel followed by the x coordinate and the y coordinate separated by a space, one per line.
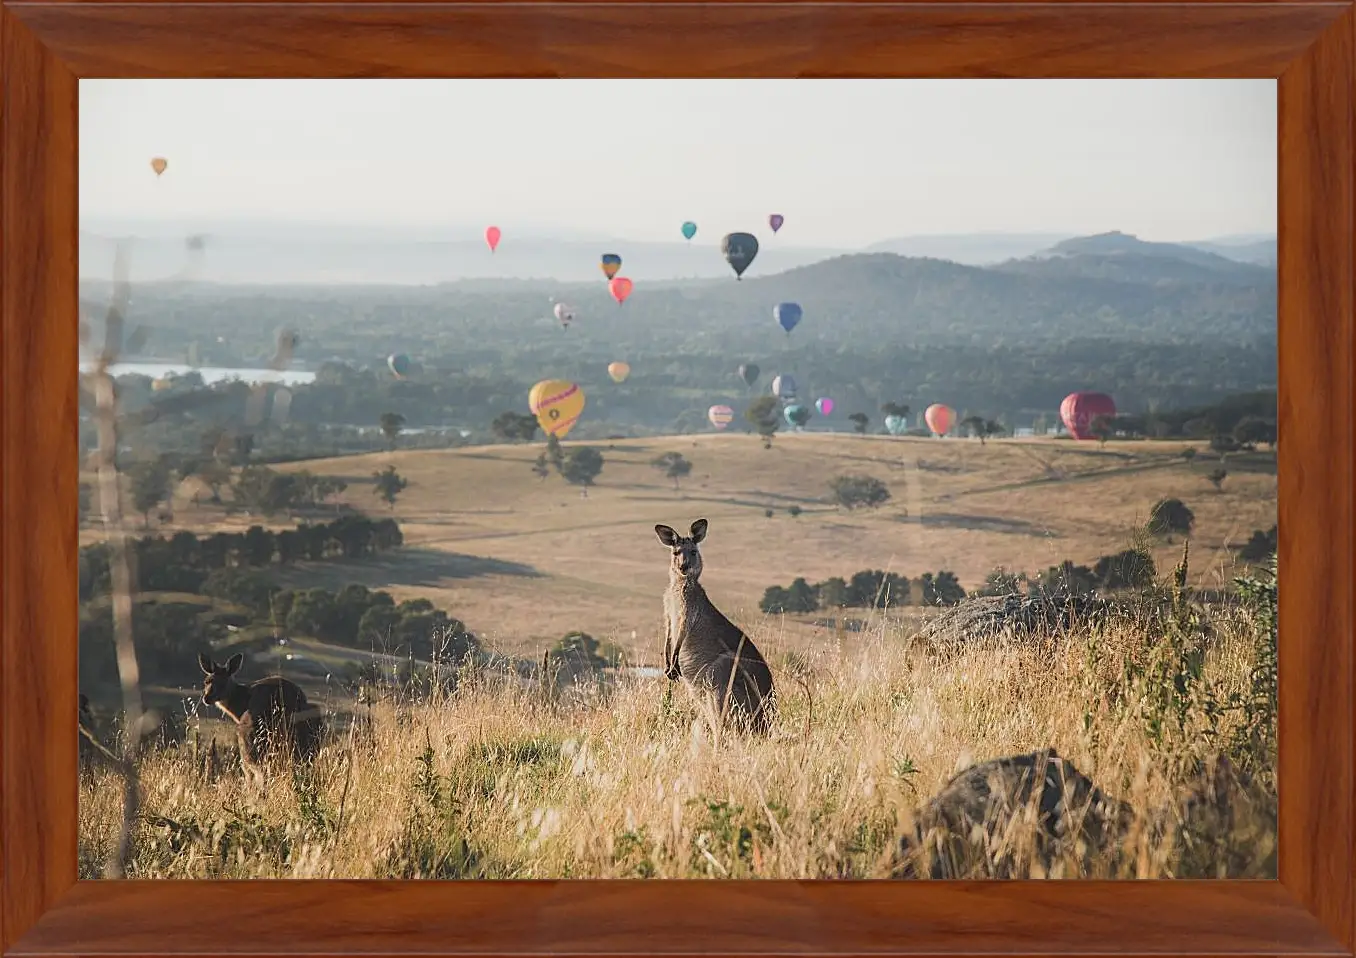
pixel 824 404
pixel 775 221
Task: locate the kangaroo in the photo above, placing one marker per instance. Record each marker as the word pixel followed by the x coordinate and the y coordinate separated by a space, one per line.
pixel 265 712
pixel 713 657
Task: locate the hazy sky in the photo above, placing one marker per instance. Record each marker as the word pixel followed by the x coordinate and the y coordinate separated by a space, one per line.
pixel 848 162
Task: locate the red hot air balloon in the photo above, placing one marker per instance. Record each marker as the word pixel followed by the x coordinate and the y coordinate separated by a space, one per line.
pixel 620 288
pixel 492 235
pixel 1080 410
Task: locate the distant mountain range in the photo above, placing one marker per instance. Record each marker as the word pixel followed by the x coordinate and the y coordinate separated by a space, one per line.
pixel 263 253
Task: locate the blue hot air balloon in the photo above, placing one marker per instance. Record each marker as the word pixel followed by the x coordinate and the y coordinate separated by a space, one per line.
pixel 788 315
pixel 689 230
pixel 796 415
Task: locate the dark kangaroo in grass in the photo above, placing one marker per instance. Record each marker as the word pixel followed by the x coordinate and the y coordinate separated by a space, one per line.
pixel 266 713
pixel 713 657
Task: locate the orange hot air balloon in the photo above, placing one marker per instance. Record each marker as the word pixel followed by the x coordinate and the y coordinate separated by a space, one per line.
pixel 492 235
pixel 939 418
pixel 618 371
pixel 158 164
pixel 620 288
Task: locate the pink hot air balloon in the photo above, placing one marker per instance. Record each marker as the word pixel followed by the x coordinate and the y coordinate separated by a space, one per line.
pixel 492 235
pixel 939 418
pixel 620 288
pixel 775 221
pixel 824 404
pixel 1080 410
pixel 720 416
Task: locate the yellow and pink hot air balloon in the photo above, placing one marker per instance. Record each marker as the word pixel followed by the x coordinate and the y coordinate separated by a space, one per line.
pixel 939 418
pixel 720 416
pixel 557 404
pixel 492 234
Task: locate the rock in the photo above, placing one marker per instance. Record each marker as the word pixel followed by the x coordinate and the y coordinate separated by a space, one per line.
pixel 1012 616
pixel 1022 816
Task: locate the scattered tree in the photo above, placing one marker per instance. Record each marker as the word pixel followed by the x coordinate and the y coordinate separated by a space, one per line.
pixel 514 427
pixel 1260 546
pixel 388 485
pixel 673 465
pixel 1216 478
pixel 981 428
pixel 1169 516
pixel 391 424
pixel 762 415
pixel 581 467
pixel 942 589
pixel 1252 431
pixel 150 483
pixel 540 467
pixel 859 422
pixel 793 511
pixel 858 491
pixel 1129 569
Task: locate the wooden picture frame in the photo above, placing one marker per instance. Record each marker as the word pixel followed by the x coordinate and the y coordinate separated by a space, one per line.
pixel 46 47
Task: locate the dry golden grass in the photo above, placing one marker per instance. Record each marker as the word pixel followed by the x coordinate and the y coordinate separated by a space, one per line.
pixel 498 780
pixel 523 561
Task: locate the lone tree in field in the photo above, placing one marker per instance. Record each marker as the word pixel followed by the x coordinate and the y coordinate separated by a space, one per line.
pixel 859 422
pixel 981 428
pixel 513 427
pixel 388 484
pixel 1216 478
pixel 150 482
pixel 1252 431
pixel 1170 516
pixel 762 414
pixel 674 466
pixel 391 424
pixel 858 492
pixel 541 468
pixel 555 453
pixel 581 466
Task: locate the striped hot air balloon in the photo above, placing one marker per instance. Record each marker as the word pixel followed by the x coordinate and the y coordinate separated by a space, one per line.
pixel 720 416
pixel 557 404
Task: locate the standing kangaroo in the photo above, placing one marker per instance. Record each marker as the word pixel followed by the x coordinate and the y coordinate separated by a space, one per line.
pixel 266 713
pixel 716 660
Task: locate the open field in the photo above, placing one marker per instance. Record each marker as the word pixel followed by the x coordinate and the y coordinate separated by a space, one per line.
pixel 523 561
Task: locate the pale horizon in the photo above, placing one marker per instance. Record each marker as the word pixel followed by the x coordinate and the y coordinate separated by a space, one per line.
pixel 847 162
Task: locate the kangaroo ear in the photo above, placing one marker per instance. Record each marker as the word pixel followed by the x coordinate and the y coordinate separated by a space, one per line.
pixel 234 662
pixel 666 535
pixel 204 663
pixel 699 530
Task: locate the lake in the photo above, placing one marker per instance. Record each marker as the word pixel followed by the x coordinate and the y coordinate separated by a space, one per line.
pixel 209 374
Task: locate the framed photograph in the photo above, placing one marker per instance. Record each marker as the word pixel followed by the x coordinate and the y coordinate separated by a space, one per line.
pixel 496 478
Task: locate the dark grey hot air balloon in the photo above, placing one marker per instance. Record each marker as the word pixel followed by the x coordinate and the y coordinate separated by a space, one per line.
pixel 749 373
pixel 739 250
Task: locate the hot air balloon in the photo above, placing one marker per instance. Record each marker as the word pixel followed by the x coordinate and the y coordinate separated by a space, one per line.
pixel 565 314
pixel 797 416
pixel 739 250
pixel 895 425
pixel 784 387
pixel 159 164
pixel 620 288
pixel 618 371
pixel 939 418
pixel 492 235
pixel 160 385
pixel 720 416
pixel 787 315
pixel 689 230
pixel 1080 410
pixel 824 404
pixel 775 221
pixel 399 363
pixel 557 405
pixel 610 263
pixel 749 373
